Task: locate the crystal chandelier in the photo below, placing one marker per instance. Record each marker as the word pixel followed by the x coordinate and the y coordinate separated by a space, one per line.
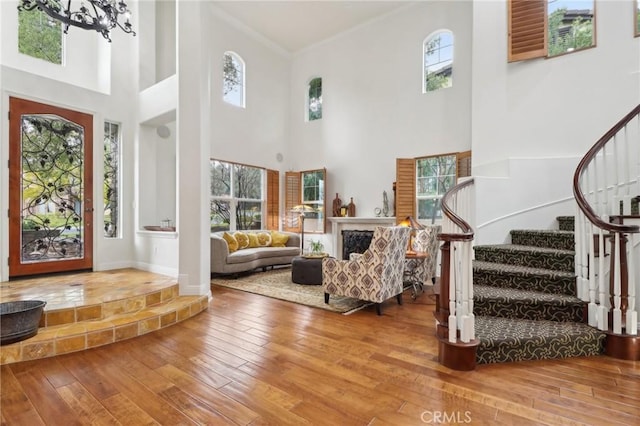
pixel 100 15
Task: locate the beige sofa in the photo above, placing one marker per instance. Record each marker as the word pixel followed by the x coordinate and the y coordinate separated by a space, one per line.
pixel 247 259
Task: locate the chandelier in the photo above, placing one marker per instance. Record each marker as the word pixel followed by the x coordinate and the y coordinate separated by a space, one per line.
pixel 100 15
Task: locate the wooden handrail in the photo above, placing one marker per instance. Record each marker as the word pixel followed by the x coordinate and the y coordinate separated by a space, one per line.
pixel 583 204
pixel 467 231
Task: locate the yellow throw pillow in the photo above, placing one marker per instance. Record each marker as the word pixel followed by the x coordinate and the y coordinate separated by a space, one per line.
pixel 253 240
pixel 243 240
pixel 231 242
pixel 278 239
pixel 264 239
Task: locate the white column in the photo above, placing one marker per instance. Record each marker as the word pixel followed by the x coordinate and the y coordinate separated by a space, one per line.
pixel 192 150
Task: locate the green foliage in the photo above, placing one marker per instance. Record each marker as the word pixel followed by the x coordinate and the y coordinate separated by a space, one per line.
pixel 578 36
pixel 435 78
pixel 315 99
pixel 39 36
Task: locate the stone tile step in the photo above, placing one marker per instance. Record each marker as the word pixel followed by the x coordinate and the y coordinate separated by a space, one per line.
pixel 56 314
pixel 531 256
pixel 524 278
pixel 71 337
pixel 510 340
pixel 563 240
pixel 525 304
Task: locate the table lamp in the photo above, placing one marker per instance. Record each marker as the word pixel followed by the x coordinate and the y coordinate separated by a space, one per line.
pixel 410 222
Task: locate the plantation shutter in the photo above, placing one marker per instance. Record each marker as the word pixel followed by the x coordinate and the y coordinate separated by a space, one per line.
pixel 273 200
pixel 527 36
pixel 463 164
pixel 405 188
pixel 292 198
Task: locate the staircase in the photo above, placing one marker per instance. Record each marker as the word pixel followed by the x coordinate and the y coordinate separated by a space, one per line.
pixel 525 302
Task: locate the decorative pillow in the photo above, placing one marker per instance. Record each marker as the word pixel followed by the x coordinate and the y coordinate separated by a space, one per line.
pixel 278 239
pixel 264 239
pixel 243 240
pixel 253 239
pixel 231 242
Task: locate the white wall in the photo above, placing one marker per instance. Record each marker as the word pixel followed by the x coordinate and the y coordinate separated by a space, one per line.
pixel 374 110
pixel 256 134
pixel 544 110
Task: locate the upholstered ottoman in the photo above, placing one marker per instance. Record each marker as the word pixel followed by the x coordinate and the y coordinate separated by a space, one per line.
pixel 306 270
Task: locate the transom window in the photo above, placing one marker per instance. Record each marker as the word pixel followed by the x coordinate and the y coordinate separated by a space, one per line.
pixel 237 198
pixel 438 61
pixel 314 99
pixel 233 82
pixel 39 36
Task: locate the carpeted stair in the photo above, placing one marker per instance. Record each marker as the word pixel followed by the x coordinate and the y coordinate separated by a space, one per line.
pixel 524 299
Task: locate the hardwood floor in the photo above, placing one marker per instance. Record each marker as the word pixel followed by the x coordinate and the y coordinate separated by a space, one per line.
pixel 251 360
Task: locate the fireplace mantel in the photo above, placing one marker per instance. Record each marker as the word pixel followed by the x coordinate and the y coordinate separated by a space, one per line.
pixel 339 224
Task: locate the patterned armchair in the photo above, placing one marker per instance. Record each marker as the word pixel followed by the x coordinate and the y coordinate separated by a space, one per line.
pixel 425 240
pixel 376 275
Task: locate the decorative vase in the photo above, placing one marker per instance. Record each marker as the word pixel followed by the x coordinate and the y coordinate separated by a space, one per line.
pixel 337 203
pixel 385 204
pixel 351 209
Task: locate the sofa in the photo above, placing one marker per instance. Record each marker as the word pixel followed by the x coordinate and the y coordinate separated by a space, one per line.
pixel 256 249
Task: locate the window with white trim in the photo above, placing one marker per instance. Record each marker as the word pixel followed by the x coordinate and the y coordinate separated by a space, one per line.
pixel 438 61
pixel 237 196
pixel 111 181
pixel 314 99
pixel 233 82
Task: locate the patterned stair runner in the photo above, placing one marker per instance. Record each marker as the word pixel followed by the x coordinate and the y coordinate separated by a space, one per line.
pixel 525 302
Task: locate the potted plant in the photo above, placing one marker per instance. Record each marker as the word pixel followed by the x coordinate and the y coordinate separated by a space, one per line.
pixel 316 248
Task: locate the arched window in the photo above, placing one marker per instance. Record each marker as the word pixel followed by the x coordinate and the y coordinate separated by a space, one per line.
pixel 314 99
pixel 438 61
pixel 233 79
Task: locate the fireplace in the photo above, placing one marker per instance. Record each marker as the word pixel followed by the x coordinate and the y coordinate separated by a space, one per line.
pixel 340 224
pixel 355 241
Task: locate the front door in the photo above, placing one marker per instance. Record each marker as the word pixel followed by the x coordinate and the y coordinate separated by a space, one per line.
pixel 50 189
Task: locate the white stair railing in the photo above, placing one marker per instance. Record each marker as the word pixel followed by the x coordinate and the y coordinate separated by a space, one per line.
pixel 456 297
pixel 606 185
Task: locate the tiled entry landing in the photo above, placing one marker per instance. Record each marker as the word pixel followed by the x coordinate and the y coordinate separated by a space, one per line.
pixel 90 309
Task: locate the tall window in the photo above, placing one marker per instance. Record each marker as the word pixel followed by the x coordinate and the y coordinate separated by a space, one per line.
pixel 39 36
pixel 314 99
pixel 111 183
pixel 236 196
pixel 541 28
pixel 434 177
pixel 438 61
pixel 233 81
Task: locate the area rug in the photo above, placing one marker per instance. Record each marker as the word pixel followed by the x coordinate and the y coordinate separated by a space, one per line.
pixel 278 285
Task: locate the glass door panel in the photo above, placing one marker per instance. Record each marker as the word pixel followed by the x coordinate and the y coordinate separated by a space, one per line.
pixel 50 189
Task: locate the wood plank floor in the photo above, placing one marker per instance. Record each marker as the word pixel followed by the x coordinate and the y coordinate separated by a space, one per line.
pixel 251 360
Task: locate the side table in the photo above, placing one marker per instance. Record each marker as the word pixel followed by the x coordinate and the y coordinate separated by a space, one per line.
pixel 412 268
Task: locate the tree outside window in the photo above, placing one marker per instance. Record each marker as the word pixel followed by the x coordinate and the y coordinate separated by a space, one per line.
pixel 570 26
pixel 111 182
pixel 314 111
pixel 236 196
pixel 39 36
pixel 434 177
pixel 233 80
pixel 438 61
